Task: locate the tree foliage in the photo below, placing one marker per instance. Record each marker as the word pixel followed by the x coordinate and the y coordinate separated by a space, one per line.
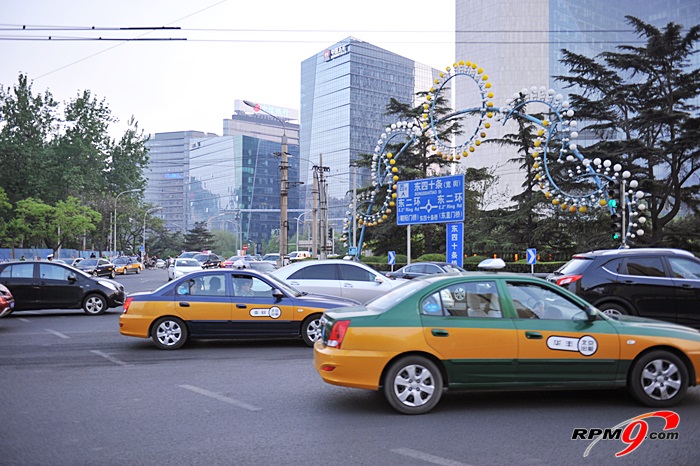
pixel 63 160
pixel 199 238
pixel 638 101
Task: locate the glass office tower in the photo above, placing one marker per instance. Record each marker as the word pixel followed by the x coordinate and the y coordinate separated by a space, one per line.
pixel 234 185
pixel 167 175
pixel 344 93
pixel 519 45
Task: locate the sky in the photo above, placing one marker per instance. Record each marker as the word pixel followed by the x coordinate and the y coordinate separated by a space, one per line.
pixel 235 49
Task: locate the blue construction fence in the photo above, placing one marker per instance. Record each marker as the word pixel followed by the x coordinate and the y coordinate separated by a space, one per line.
pixel 7 254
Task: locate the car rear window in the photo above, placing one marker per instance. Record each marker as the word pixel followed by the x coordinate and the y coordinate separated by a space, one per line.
pixel 355 273
pixel 574 266
pixel 396 295
pixel 316 272
pixel 187 263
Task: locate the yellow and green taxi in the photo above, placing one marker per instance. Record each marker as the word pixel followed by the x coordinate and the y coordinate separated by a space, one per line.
pixel 224 303
pixel 492 330
pixel 124 265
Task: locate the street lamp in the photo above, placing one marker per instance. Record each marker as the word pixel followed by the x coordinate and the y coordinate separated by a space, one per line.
pixel 143 246
pixel 284 185
pixel 135 190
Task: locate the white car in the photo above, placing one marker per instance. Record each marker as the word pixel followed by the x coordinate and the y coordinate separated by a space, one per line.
pixel 183 267
pixel 337 277
pixel 272 257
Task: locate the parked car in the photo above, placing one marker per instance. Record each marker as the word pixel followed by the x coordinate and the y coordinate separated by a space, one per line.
pixel 500 331
pixel 419 269
pixel 7 301
pixel 272 257
pixel 124 265
pixel 209 261
pixel 657 283
pixel 50 285
pixel 182 267
pixel 336 277
pixel 160 264
pixel 224 303
pixel 97 267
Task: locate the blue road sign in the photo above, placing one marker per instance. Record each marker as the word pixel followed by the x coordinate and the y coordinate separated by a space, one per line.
pixel 455 243
pixel 392 257
pixel 532 256
pixel 430 200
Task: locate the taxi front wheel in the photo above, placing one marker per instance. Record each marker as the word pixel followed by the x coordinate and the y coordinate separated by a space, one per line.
pixel 169 333
pixel 413 385
pixel 658 379
pixel 311 329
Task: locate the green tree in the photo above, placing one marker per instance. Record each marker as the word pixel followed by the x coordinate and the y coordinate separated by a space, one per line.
pixel 199 238
pixel 39 224
pixel 419 160
pixel 638 101
pixel 29 123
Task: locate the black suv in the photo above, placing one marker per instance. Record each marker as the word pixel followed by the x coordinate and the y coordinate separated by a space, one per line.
pixel 659 284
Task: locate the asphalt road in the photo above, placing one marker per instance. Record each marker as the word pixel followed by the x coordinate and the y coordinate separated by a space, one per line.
pixel 73 391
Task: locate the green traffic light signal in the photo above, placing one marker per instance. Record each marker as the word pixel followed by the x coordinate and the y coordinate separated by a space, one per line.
pixel 615 236
pixel 612 203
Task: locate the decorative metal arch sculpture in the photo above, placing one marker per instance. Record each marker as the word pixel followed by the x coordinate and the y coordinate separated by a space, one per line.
pixel 555 135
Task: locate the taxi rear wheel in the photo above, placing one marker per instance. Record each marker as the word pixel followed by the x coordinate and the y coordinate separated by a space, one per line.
pixel 413 385
pixel 311 329
pixel 658 379
pixel 169 333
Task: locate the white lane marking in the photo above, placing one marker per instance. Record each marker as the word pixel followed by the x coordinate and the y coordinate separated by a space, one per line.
pixel 426 457
pixel 110 358
pixel 58 334
pixel 24 320
pixel 216 396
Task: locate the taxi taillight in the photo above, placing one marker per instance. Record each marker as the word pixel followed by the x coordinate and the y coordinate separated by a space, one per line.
pixel 126 304
pixel 568 279
pixel 335 339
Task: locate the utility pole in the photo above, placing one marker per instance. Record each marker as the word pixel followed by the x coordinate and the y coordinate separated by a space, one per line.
pixel 324 208
pixel 314 224
pixel 353 224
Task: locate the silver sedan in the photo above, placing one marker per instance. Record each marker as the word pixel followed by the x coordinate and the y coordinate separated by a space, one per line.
pixel 337 277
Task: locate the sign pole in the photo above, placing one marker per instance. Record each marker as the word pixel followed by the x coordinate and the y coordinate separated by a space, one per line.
pixel 408 244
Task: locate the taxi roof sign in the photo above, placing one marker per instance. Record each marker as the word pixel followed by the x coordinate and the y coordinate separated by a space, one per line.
pixel 492 264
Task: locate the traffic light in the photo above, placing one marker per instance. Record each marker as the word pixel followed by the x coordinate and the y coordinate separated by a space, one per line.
pixel 614 194
pixel 615 226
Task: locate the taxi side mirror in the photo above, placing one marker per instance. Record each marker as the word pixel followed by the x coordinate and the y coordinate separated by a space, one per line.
pixel 277 294
pixel 591 313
